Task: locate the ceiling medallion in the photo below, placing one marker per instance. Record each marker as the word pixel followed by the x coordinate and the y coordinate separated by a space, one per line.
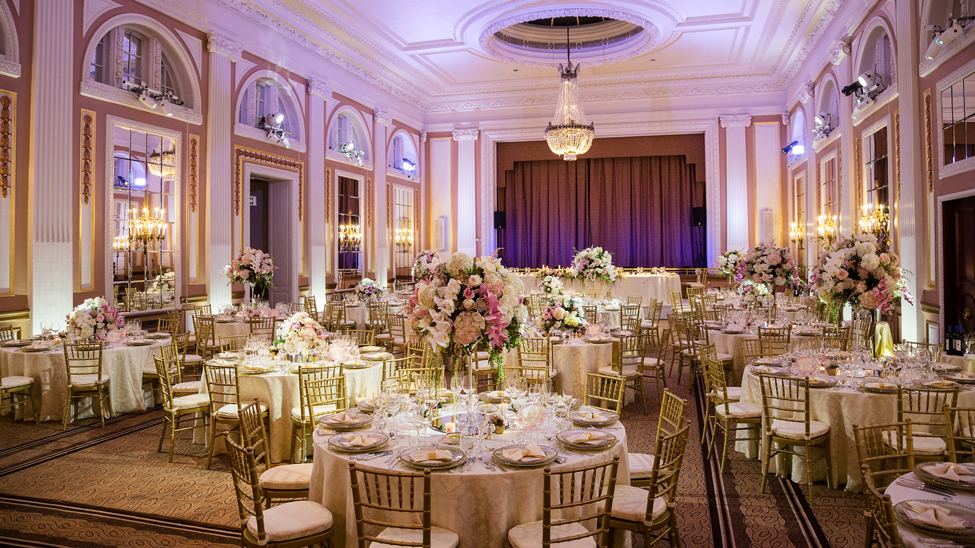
pixel 568 134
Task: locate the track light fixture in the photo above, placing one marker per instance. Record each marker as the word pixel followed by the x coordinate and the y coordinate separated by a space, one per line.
pixel 944 37
pixel 851 89
pixel 795 147
pixel 408 165
pixel 152 99
pixel 824 125
pixel 275 132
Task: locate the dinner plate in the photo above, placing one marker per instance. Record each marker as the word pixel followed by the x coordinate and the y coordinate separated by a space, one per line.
pixel 888 388
pixel 768 361
pixel 946 367
pixel 139 343
pixel 339 442
pixel 366 405
pixel 963 378
pixel 370 349
pixel 363 420
pixel 927 477
pixel 576 418
pixel 600 442
pixel 550 455
pixel 816 382
pixel 229 355
pixel 157 336
pixel 457 457
pixel 358 364
pixel 592 340
pixel 493 397
pixel 904 515
pixel 733 331
pixel 767 370
pixel 940 384
pixel 376 356
pixel 17 343
pixel 254 369
pixel 33 349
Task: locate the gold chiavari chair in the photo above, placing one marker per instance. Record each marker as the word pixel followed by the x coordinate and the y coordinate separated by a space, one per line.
pixel 652 366
pixel 787 425
pixel 280 483
pixel 418 351
pixel 863 330
pixel 233 343
pixel 294 308
pixel 534 361
pixel 321 390
pixel 536 305
pixel 630 317
pixel 168 325
pixel 753 349
pixel 86 378
pixel 730 414
pixel 176 406
pixel 397 332
pixel 694 291
pixel 206 341
pixel 683 349
pixel 961 438
pixel 653 511
pixel 693 340
pixel 170 355
pixel 394 508
pixel 224 389
pixel 591 313
pixel 670 421
pixel 878 459
pixel 203 309
pixel 335 318
pixel 727 360
pixel 605 392
pixel 392 366
pixel 275 527
pixel 17 386
pixel 310 306
pixel 881 523
pixel 572 498
pixel 778 337
pixel 414 378
pixel 638 301
pixel 363 337
pixel 834 338
pixel 263 328
pixel 933 350
pixel 628 364
pixel 9 333
pixel 925 408
pixel 654 309
pixel 379 318
pixel 190 364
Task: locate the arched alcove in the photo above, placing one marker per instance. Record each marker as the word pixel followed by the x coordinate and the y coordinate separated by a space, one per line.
pixel 827 103
pixel 263 93
pixel 402 154
pixel 876 55
pixel 797 137
pixel 347 126
pixel 9 49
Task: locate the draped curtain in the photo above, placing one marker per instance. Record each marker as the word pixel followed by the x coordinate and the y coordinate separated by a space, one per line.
pixel 637 208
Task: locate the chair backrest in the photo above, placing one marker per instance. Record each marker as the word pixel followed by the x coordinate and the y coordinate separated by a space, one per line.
pixel 693 291
pixel 9 333
pixel 534 359
pixel 925 408
pixel 716 381
pixel 785 399
pixel 638 300
pixel 778 337
pixel 629 353
pixel 863 325
pixel 580 495
pixel 933 350
pixel 536 305
pixel 296 307
pixel 383 499
pixel 630 317
pixel 233 343
pixel 168 370
pixel 835 339
pixel 661 347
pixel 413 378
pixel 392 366
pixel 886 451
pixel 654 309
pixel 397 327
pixel 753 349
pixel 882 514
pixel 83 359
pixel 247 484
pixel 961 437
pixel 334 314
pixel 668 460
pixel 223 386
pixel 263 328
pixel 205 335
pixel 202 309
pixel 310 306
pixel 379 316
pixel 672 410
pixel 591 313
pixel 168 325
pixel 321 386
pixel 253 435
pixel 607 390
pixel 363 337
pixel 181 340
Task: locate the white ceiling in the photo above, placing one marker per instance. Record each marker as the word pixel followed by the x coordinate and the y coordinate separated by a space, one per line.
pixel 435 49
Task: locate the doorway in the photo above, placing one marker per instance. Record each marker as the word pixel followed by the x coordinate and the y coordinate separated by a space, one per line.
pixel 270 225
pixel 959 263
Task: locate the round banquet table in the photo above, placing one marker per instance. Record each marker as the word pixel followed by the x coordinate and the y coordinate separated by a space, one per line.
pixel 123 364
pixel 279 392
pixel 360 314
pixel 573 362
pixel 911 537
pixel 234 328
pixel 480 505
pixel 730 343
pixel 840 409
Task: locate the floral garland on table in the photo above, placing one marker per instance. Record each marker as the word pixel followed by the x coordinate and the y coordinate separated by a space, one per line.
pixel 94 319
pixel 368 290
pixel 300 334
pixel 164 282
pixel 551 285
pixel 425 265
pixel 857 270
pixel 469 302
pixel 755 293
pixel 769 265
pixel 728 261
pixel 547 271
pixel 593 263
pixel 253 266
pixel 564 314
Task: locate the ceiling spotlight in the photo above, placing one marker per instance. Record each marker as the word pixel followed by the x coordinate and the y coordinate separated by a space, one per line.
pixel 794 147
pixel 408 165
pixel 851 89
pixel 272 136
pixel 146 99
pixel 165 108
pixel 823 119
pixel 284 142
pixel 949 34
pixel 934 48
pixel 274 119
pixel 798 149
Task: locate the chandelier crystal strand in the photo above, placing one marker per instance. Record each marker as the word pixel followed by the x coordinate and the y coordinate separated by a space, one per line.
pixel 568 134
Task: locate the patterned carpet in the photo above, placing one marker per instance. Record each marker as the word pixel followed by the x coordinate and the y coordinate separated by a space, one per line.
pixel 109 487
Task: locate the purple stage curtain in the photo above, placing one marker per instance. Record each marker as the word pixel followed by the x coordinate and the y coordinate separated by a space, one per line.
pixel 637 208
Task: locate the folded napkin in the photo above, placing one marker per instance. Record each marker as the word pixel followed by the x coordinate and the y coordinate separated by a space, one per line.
pixel 432 456
pixel 356 440
pixel 344 417
pixel 932 514
pixel 524 454
pixel 588 438
pixel 880 385
pixel 766 369
pixel 965 375
pixel 370 401
pixel 592 416
pixel 941 384
pixel 951 471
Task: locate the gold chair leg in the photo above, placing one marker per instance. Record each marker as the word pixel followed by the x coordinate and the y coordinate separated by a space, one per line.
pixel 162 435
pixel 174 424
pixel 768 461
pixel 213 437
pixel 67 411
pixel 101 407
pixel 724 452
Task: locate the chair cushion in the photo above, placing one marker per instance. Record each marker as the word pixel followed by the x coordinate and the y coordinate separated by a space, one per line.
pixel 652 363
pixel 193 359
pixel 797 430
pixel 82 381
pixel 731 393
pixel 739 410
pixel 630 503
pixel 482 355
pixel 529 535
pixel 229 411
pixel 641 465
pixel 628 371
pixel 439 537
pixel 384 337
pixel 647 324
pixel 188 387
pixel 287 477
pixel 192 401
pixel 319 410
pixel 15 382
pixel 722 357
pixel 292 520
pixel 923 445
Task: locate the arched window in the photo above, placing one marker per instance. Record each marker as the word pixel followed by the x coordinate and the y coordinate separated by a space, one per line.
pixel 138 57
pixel 348 136
pixel 265 95
pixel 797 144
pixel 402 157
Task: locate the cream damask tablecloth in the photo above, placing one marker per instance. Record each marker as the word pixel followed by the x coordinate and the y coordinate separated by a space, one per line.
pixel 840 409
pixel 124 365
pixel 573 362
pixel 967 362
pixel 230 329
pixel 479 505
pixel 728 343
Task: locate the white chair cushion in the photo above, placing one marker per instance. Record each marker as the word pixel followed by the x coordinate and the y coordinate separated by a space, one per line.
pixel 797 430
pixel 149 369
pixel 722 357
pixel 529 535
pixel 630 503
pixel 646 324
pixel 229 411
pixel 193 359
pixel 82 381
pixel 641 464
pixel 192 401
pixel 188 387
pixel 739 410
pixel 439 537
pixel 628 371
pixel 923 445
pixel 319 410
pixel 482 355
pixel 15 382
pixel 384 337
pixel 292 520
pixel 651 362
pixel 731 393
pixel 287 477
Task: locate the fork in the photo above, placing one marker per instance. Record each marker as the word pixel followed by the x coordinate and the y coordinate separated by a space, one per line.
pixel 921 486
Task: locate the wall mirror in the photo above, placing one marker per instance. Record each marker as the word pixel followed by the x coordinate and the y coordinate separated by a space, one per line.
pixel 403 231
pixel 349 230
pixel 958 120
pixel 143 219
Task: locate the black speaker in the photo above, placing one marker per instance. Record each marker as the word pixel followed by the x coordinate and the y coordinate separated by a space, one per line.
pixel 499 220
pixel 698 214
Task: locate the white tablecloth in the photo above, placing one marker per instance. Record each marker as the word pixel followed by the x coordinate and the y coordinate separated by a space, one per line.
pixel 360 314
pixel 840 409
pixel 230 329
pixel 573 361
pixel 123 364
pixel 728 343
pixel 647 286
pixel 479 505
pixel 909 535
pixel 967 362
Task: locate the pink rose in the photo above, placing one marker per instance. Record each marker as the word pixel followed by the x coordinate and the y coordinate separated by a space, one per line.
pixel 243 274
pixel 842 274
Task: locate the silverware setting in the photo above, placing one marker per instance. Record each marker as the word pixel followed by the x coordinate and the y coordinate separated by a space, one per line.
pixel 921 486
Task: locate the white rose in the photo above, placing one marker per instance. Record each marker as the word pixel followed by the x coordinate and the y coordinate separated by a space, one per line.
pixel 468 303
pixel 558 313
pixel 474 280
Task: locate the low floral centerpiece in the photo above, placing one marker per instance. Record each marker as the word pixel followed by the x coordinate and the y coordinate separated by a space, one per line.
pixel 858 271
pixel 594 264
pixel 728 262
pixel 564 314
pixel 551 285
pixel 755 293
pixel 164 282
pixel 769 265
pixel 252 267
pixel 547 271
pixel 300 334
pixel 469 302
pixel 425 265
pixel 368 290
pixel 94 319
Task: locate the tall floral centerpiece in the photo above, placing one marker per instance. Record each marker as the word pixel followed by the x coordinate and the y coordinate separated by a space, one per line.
pixel 564 313
pixel 425 265
pixel 551 285
pixel 253 268
pixel 858 271
pixel 300 335
pixel 164 282
pixel 770 266
pixel 593 265
pixel 728 262
pixel 94 319
pixel 368 291
pixel 467 303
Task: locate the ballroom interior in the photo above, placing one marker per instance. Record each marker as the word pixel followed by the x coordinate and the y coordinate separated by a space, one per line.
pixel 726 171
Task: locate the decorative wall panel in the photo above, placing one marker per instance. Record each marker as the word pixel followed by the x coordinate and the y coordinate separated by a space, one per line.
pixel 8 106
pixel 86 217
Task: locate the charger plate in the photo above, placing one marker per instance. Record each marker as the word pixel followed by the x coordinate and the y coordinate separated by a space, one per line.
pixel 550 455
pixel 905 515
pixel 457 458
pixel 379 439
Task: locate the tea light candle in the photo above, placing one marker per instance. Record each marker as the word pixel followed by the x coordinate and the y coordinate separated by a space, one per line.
pixel 503 407
pixel 449 428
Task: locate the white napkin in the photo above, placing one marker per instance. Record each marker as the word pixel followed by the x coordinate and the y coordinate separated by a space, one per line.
pixel 433 456
pixel 932 514
pixel 965 375
pixel 370 401
pixel 592 416
pixel 356 440
pixel 880 385
pixel 951 471
pixel 941 384
pixel 588 438
pixel 525 454
pixel 344 417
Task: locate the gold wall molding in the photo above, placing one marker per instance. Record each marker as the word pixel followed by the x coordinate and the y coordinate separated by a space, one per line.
pixel 389 189
pixel 839 181
pixel 194 170
pixel 7 108
pixel 328 196
pixel 819 188
pixel 242 153
pixel 87 142
pixel 859 181
pixel 368 204
pixel 416 217
pixel 928 142
pixel 897 156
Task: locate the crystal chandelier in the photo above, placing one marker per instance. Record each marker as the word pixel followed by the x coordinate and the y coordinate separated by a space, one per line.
pixel 568 134
pixel 163 164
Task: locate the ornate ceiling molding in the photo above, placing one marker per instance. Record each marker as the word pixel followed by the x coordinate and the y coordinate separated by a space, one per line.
pixel 812 40
pixel 743 120
pixel 841 49
pixel 808 92
pixel 466 134
pixel 224 46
